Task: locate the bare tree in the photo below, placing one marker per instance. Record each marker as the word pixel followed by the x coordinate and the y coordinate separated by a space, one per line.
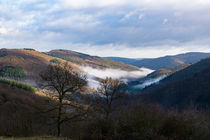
pixel 63 81
pixel 110 90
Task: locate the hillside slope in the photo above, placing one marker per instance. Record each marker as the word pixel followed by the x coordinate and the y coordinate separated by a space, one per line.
pixel 19 111
pixel 190 86
pixel 129 61
pixel 31 61
pixel 167 72
pixel 152 78
pixel 167 61
pixel 92 61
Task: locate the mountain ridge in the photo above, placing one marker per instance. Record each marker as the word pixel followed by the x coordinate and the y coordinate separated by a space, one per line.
pixel 169 61
pixel 88 60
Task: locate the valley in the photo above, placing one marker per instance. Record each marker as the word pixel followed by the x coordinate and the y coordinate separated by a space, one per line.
pixel 104 70
pixel 23 97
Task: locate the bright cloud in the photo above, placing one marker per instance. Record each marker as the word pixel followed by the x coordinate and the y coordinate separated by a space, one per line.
pixel 92 3
pixel 3 31
pixel 141 16
pixel 165 21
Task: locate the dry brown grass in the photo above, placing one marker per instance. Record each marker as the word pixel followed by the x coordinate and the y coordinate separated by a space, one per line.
pixel 93 61
pixel 32 61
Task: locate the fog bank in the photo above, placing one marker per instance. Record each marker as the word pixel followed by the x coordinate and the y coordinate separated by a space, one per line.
pixel 93 74
pixel 149 82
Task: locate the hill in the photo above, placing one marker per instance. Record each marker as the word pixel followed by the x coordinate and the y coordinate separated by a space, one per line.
pixel 181 89
pixel 154 77
pixel 19 115
pixel 92 61
pixel 171 61
pixel 124 60
pixel 166 62
pixel 166 72
pixel 26 61
pixel 26 64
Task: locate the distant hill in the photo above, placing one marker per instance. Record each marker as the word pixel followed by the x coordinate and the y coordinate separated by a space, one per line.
pixel 162 72
pixel 183 88
pixel 171 61
pixel 165 62
pixel 92 61
pixel 154 77
pixel 124 60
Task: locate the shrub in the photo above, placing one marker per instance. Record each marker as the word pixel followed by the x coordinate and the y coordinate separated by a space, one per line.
pixel 16 84
pixel 12 72
pixel 55 61
pixel 3 54
pixel 30 49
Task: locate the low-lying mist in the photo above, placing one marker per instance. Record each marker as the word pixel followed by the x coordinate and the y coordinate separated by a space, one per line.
pixel 149 82
pixel 93 74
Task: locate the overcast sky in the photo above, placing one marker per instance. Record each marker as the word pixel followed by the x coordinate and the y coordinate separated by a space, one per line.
pixel 126 28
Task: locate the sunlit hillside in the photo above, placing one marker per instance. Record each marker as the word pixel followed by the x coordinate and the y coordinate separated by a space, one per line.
pixel 30 60
pixel 92 61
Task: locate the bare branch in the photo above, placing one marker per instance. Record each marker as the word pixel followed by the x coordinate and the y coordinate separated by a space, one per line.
pixel 64 81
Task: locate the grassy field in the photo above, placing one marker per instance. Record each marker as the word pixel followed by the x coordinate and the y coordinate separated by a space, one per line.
pixel 34 138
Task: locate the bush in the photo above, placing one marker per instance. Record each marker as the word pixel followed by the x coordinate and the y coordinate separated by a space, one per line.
pixel 16 84
pixel 12 72
pixel 30 49
pixel 55 61
pixel 3 54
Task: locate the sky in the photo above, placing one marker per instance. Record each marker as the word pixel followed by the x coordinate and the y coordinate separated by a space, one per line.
pixel 123 28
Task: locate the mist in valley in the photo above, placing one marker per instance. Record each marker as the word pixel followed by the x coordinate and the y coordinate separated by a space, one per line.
pixel 126 76
pixel 149 82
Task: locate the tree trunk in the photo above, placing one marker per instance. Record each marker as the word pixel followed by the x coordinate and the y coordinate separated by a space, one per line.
pixel 59 118
pixel 58 127
pixel 107 115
